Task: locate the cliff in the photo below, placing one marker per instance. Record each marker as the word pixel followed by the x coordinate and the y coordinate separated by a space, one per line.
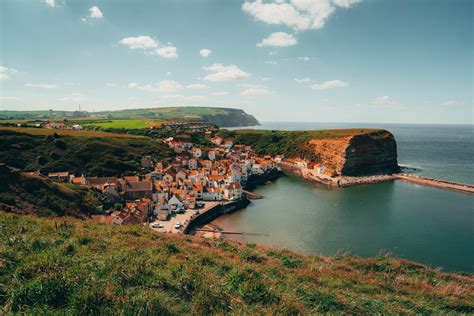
pixel 361 154
pixel 350 152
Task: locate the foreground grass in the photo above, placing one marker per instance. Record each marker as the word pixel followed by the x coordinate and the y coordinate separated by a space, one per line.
pixel 89 268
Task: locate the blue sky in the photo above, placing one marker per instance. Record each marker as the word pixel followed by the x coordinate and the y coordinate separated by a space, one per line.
pixel 396 61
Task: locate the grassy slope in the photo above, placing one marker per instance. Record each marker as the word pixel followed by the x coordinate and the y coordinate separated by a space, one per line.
pixel 289 143
pixel 65 132
pixel 39 195
pixel 89 268
pixel 90 155
pixel 125 123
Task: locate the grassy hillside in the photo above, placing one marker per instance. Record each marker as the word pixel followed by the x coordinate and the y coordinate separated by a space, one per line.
pixel 97 269
pixel 100 156
pixel 22 193
pixel 65 132
pixel 218 116
pixel 289 143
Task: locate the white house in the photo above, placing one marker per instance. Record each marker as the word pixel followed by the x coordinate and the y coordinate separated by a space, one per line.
pixel 233 191
pixel 321 169
pixel 197 152
pixel 279 158
pixel 212 155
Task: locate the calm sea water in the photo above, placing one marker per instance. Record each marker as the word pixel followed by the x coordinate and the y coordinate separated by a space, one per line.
pixel 424 224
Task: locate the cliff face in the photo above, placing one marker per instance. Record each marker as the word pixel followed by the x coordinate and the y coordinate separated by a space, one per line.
pixel 233 118
pixel 363 154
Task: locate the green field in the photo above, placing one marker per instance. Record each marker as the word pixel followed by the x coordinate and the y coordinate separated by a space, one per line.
pixel 124 123
pixel 114 270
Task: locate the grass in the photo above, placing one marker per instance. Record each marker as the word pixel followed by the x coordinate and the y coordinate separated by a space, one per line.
pixel 293 144
pixel 126 123
pixel 93 156
pixel 98 269
pixel 66 132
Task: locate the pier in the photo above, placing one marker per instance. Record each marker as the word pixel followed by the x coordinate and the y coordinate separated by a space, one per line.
pixel 442 184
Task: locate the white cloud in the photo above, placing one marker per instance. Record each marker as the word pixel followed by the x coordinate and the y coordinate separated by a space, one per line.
pixel 197 86
pixel 205 52
pixel 50 3
pixel 150 46
pixel 304 58
pixel 184 97
pixel 167 52
pixel 139 42
pixel 5 72
pixel 451 103
pixel 40 85
pixel 95 13
pixel 223 73
pixel 165 86
pixel 302 80
pixel 278 39
pixel 270 62
pixel 256 91
pixel 384 100
pixel 220 93
pixel 297 14
pixel 330 85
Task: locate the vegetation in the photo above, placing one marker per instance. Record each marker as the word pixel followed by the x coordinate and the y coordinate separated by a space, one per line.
pixel 218 116
pixel 64 132
pixel 93 156
pixel 98 269
pixel 289 143
pixel 126 124
pixel 23 193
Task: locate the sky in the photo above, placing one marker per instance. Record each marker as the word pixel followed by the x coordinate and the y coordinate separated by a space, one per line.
pixel 374 61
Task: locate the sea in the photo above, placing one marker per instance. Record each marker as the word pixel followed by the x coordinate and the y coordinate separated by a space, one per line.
pixel 423 224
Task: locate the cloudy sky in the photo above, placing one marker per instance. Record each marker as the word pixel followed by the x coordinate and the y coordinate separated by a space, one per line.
pixel 406 61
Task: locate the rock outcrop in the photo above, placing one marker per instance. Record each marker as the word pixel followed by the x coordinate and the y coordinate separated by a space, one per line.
pixel 369 153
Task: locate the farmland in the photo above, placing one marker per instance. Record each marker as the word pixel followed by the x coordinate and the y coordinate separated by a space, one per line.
pixel 65 132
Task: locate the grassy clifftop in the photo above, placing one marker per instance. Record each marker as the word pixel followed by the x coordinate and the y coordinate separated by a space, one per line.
pixel 291 143
pixel 98 269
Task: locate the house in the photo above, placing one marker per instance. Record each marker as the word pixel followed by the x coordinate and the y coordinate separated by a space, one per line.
pixel 162 215
pixel 192 164
pixel 59 176
pixel 197 152
pixel 175 204
pixel 78 180
pixel 279 158
pixel 55 125
pixel 301 163
pixel 217 140
pixel 138 189
pixel 77 127
pixel 228 144
pixel 212 194
pixel 233 191
pixel 211 154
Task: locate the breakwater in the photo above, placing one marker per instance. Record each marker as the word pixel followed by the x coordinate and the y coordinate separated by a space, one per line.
pixel 213 213
pixel 442 184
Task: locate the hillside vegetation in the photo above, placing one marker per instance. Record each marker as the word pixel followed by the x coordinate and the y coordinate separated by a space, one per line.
pixel 97 269
pixel 93 156
pixel 219 116
pixel 290 143
pixel 21 193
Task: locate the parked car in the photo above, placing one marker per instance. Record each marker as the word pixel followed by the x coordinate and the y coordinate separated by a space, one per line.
pixel 177 225
pixel 157 225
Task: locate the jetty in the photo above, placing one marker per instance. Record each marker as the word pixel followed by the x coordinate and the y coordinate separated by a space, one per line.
pixel 252 195
pixel 442 184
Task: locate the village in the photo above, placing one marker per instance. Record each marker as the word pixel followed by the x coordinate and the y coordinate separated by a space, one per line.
pixel 167 196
